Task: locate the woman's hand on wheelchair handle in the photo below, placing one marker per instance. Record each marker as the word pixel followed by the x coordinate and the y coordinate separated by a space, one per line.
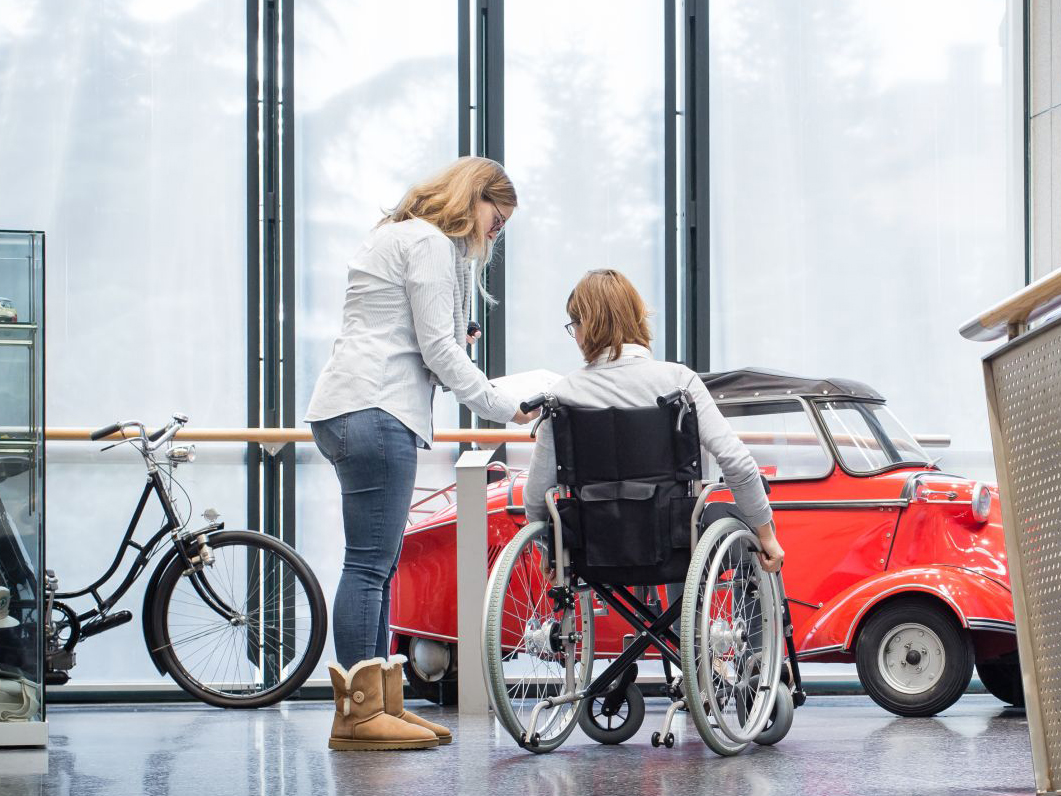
pixel 773 556
pixel 525 417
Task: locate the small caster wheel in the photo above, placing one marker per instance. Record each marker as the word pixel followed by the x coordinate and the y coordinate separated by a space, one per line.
pixel 655 739
pixel 615 727
pixel 668 741
pixel 535 740
pixel 523 739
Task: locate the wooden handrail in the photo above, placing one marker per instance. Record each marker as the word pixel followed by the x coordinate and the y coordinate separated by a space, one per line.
pixel 491 436
pixel 1016 312
pixel 278 435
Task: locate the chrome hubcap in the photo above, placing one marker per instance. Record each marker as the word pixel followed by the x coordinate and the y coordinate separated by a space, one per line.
pixel 911 658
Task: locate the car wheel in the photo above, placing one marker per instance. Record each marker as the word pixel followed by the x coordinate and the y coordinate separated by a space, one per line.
pixel 913 657
pixel 441 690
pixel 1001 676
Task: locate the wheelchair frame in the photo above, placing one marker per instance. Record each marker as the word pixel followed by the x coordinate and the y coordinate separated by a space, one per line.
pixel 652 629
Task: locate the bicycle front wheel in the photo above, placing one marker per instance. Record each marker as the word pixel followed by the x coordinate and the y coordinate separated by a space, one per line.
pixel 246 629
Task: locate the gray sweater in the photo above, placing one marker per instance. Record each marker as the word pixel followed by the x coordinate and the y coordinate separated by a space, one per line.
pixel 636 379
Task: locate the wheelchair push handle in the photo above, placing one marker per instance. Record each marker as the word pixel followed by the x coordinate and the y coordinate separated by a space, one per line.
pixel 672 397
pixel 531 404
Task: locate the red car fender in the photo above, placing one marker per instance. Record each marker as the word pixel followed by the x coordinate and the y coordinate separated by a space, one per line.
pixel 979 603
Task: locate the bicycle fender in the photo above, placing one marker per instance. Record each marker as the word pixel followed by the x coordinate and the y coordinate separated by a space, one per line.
pixel 150 638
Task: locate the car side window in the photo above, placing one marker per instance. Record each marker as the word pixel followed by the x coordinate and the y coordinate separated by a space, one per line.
pixel 780 438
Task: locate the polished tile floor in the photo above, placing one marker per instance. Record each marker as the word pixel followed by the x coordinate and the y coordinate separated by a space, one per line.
pixel 837 746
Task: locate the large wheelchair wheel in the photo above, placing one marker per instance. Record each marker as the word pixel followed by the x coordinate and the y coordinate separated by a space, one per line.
pixel 527 644
pixel 731 638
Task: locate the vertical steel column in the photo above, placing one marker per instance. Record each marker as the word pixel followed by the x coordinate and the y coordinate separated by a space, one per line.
pixel 285 457
pixel 270 299
pixel 254 315
pixel 490 135
pixel 697 189
pixel 670 184
pixel 464 124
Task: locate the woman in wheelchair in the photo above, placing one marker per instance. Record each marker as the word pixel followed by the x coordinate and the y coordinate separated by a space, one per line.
pixel 614 502
pixel 610 325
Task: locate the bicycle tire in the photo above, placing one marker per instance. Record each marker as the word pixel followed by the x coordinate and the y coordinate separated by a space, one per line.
pixel 291 674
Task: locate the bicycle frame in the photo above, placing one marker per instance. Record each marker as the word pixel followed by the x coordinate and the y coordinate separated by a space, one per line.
pixel 145 552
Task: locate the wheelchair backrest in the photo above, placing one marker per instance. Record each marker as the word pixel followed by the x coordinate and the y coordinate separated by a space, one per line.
pixel 645 444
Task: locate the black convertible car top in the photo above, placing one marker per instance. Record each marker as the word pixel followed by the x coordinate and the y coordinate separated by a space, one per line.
pixel 755 382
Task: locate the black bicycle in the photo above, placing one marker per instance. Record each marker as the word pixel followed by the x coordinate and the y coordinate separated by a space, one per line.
pixel 236 618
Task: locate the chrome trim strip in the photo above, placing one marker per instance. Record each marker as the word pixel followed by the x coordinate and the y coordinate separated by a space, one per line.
pixel 911 586
pixel 820 651
pixel 804 505
pixel 425 634
pixel 1000 625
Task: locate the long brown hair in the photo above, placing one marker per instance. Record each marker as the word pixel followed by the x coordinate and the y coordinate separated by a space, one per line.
pixel 610 312
pixel 448 200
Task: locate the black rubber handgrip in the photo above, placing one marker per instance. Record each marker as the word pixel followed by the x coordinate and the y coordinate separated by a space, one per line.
pixel 157 434
pixel 105 432
pixel 529 406
pixel 669 398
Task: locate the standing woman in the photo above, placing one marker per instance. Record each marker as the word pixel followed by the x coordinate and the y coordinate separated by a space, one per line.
pixel 405 322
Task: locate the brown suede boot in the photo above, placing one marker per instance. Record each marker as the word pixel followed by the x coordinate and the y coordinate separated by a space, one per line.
pixel 360 723
pixel 394 704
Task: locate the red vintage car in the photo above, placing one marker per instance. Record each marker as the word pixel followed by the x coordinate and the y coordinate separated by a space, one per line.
pixel 890 562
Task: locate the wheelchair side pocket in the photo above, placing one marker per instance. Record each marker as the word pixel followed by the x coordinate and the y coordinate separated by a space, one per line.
pixel 620 524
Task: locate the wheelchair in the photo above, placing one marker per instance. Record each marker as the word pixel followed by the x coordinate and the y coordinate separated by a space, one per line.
pixel 626 518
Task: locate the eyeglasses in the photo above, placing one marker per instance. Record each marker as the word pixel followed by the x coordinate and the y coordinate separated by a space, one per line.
pixel 499 220
pixel 571 327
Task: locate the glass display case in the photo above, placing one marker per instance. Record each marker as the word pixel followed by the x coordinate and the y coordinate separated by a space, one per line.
pixel 21 488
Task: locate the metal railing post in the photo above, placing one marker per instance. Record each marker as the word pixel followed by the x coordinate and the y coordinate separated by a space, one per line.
pixel 471 579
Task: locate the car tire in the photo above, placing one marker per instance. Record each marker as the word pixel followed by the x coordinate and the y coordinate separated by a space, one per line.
pixel 914 658
pixel 1001 677
pixel 441 692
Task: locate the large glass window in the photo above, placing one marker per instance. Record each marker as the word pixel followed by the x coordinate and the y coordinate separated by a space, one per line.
pixel 859 198
pixel 124 139
pixel 375 111
pixel 584 147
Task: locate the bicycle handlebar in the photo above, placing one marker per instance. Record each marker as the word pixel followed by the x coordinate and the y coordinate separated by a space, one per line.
pixel 530 405
pixel 105 432
pixel 148 442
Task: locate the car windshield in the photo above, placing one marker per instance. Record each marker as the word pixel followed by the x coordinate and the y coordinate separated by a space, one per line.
pixel 6 304
pixel 780 437
pixel 869 437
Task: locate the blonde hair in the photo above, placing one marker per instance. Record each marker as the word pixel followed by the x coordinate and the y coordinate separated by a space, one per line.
pixel 448 200
pixel 610 312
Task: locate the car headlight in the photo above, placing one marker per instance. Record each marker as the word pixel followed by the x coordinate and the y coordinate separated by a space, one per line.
pixel 981 501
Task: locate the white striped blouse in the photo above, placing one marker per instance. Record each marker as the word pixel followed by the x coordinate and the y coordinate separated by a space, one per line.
pixel 408 300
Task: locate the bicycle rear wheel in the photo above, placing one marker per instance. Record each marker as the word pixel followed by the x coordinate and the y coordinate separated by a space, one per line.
pixel 244 631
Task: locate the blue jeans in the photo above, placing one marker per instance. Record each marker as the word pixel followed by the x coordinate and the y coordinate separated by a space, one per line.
pixel 374 456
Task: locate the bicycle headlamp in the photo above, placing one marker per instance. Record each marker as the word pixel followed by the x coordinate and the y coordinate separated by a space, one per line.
pixel 181 454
